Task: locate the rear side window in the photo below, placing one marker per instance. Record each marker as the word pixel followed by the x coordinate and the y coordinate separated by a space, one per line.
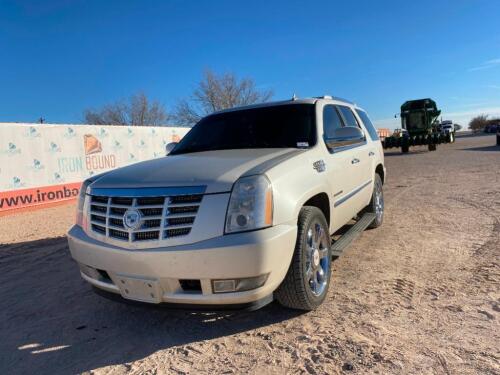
pixel 368 125
pixel 349 118
pixel 331 120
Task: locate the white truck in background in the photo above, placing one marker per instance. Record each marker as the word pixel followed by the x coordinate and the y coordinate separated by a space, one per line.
pixel 447 127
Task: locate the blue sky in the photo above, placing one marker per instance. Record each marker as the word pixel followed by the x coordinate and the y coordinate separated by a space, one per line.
pixel 59 57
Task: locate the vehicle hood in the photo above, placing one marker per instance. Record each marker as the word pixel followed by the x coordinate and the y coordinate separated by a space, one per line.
pixel 217 170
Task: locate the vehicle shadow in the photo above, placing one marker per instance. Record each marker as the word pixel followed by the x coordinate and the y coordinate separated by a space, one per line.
pixel 52 322
pixel 484 148
pixel 399 153
pixel 473 135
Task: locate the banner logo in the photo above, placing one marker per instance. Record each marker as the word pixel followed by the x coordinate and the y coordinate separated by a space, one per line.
pixel 12 150
pixel 16 183
pixel 69 133
pixel 56 179
pixel 32 132
pixel 175 137
pixel 91 144
pixel 117 145
pixel 37 165
pixel 94 159
pixel 102 133
pixel 53 147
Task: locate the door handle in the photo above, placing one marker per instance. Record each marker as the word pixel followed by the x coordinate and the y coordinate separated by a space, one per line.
pixel 354 161
pixel 371 153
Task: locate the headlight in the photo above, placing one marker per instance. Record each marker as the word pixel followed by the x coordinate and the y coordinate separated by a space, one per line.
pixel 81 201
pixel 250 205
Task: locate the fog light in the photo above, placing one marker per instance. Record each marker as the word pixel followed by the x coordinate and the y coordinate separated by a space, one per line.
pixel 238 285
pixel 224 286
pixel 251 283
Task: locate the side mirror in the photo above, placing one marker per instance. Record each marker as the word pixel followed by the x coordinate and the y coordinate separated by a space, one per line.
pixel 346 136
pixel 170 146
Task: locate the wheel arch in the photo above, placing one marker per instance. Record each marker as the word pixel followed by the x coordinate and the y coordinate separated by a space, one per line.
pixel 379 169
pixel 321 201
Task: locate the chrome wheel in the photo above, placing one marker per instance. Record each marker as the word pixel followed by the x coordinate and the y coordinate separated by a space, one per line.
pixel 379 202
pixel 306 283
pixel 318 261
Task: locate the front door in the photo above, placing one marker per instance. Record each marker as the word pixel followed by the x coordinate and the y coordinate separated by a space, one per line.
pixel 361 164
pixel 343 171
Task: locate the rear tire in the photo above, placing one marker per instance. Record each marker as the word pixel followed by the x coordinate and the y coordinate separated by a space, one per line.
pixel 308 278
pixel 405 149
pixel 432 147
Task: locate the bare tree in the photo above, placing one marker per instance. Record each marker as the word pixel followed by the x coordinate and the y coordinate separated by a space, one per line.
pixel 216 92
pixel 139 111
pixel 478 123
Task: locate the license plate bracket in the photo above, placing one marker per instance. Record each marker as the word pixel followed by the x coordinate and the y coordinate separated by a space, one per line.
pixel 139 289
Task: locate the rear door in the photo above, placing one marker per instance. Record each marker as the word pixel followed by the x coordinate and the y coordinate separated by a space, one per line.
pixel 375 149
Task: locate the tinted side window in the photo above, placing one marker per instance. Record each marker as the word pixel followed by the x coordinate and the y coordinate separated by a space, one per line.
pixel 331 120
pixel 368 125
pixel 349 118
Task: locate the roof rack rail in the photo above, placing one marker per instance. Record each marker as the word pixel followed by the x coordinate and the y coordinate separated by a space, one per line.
pixel 334 98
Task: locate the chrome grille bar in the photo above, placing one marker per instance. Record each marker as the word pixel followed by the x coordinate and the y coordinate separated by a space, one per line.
pixel 162 217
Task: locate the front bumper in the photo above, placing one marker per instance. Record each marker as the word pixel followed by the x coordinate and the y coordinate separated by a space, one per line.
pixel 244 255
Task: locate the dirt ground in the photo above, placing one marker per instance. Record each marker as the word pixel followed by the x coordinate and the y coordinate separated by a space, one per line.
pixel 420 295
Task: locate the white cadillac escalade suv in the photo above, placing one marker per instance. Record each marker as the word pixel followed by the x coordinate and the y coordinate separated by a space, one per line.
pixel 240 212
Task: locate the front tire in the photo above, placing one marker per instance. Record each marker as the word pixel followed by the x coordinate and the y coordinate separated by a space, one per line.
pixel 308 278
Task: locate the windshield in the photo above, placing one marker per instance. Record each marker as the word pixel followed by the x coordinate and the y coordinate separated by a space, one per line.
pixel 282 126
pixel 415 120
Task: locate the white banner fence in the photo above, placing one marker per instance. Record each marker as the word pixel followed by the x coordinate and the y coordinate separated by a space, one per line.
pixel 44 163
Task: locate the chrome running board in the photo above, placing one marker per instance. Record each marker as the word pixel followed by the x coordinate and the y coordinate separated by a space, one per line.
pixel 354 232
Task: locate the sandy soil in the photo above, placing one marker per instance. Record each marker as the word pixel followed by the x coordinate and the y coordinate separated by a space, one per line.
pixel 420 295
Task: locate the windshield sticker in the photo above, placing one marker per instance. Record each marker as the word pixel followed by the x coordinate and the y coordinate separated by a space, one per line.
pixel 302 144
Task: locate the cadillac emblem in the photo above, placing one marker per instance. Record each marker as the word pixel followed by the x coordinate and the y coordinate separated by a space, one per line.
pixel 132 219
pixel 319 165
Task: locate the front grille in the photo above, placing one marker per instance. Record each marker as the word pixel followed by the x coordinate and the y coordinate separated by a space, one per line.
pixel 161 217
pixel 122 235
pixel 180 221
pixel 99 228
pixel 184 210
pixel 176 232
pixel 146 236
pixel 101 209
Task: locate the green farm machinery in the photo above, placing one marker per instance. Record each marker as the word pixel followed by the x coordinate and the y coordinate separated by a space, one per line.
pixel 419 127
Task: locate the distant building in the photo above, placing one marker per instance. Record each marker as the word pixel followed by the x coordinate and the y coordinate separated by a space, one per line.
pixel 383 132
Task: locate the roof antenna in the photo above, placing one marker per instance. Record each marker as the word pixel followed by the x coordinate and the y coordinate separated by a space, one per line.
pixel 294 97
